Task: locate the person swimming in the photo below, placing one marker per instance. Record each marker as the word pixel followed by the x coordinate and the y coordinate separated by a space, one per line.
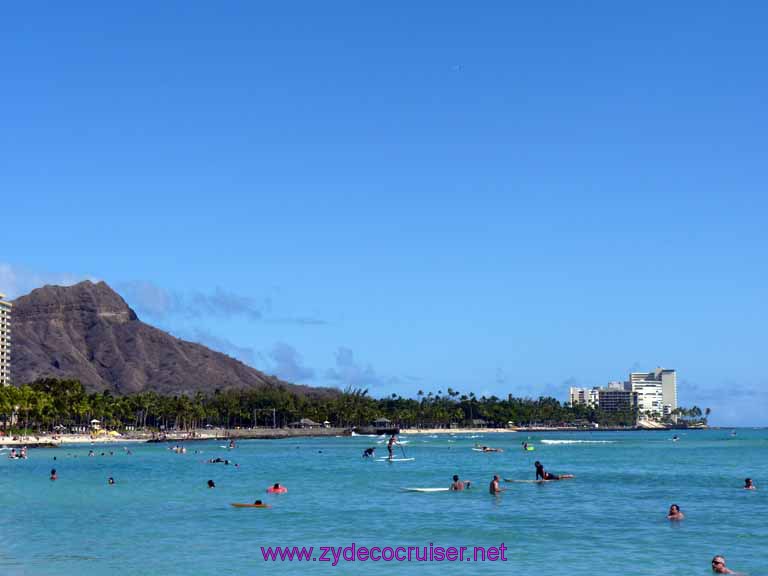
pixel 110 481
pixel 719 567
pixel 368 452
pixel 276 488
pixel 544 475
pixel 675 513
pixel 748 485
pixel 54 476
pixel 211 484
pixel 457 484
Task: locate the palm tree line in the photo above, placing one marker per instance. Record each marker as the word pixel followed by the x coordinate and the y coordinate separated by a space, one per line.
pixel 50 404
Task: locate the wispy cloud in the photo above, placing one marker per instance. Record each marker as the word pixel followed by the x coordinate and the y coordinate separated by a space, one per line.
pixel 206 338
pixel 159 303
pixel 349 372
pixel 16 281
pixel 287 363
pixel 283 360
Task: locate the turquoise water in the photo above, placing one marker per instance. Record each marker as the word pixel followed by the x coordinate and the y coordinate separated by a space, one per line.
pixel 161 519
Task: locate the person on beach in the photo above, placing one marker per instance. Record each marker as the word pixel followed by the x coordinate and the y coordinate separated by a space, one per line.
pixel 494 487
pixel 54 476
pixel 544 475
pixel 369 452
pixel 392 441
pixel 719 567
pixel 674 513
pixel 211 484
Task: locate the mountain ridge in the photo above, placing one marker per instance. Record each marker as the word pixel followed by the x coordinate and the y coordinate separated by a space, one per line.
pixel 88 332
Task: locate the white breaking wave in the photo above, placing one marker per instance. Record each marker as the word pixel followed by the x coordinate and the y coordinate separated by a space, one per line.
pixel 578 441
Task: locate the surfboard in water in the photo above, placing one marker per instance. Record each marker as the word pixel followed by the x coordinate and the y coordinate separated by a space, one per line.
pixel 395 459
pixel 426 489
pixel 534 481
pixel 243 505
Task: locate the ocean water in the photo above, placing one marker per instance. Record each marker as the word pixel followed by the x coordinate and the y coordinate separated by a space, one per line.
pixel 160 518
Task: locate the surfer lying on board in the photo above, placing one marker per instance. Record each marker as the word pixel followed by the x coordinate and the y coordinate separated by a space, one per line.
pixel 488 448
pixel 544 475
pixel 369 452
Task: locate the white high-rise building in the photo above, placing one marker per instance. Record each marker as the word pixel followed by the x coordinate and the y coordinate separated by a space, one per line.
pixel 658 390
pixel 5 341
pixel 588 396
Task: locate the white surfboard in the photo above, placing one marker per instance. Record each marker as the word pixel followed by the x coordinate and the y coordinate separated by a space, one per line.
pixel 534 481
pixel 426 489
pixel 395 459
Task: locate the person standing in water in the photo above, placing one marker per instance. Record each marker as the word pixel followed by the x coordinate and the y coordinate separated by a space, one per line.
pixel 457 484
pixel 392 441
pixel 494 487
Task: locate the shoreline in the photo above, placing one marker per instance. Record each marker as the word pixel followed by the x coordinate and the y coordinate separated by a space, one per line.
pixel 53 441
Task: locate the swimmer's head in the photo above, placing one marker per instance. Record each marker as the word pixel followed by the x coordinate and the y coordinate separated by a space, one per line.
pixel 718 563
pixel 455 477
pixel 674 508
pixel 276 486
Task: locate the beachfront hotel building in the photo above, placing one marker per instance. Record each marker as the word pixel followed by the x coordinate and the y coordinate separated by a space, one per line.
pixel 648 393
pixel 5 341
pixel 659 390
pixel 588 396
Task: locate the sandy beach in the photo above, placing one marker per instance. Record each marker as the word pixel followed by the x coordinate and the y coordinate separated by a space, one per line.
pixel 431 431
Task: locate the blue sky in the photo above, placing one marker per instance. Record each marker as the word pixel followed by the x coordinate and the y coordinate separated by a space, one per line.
pixel 502 198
